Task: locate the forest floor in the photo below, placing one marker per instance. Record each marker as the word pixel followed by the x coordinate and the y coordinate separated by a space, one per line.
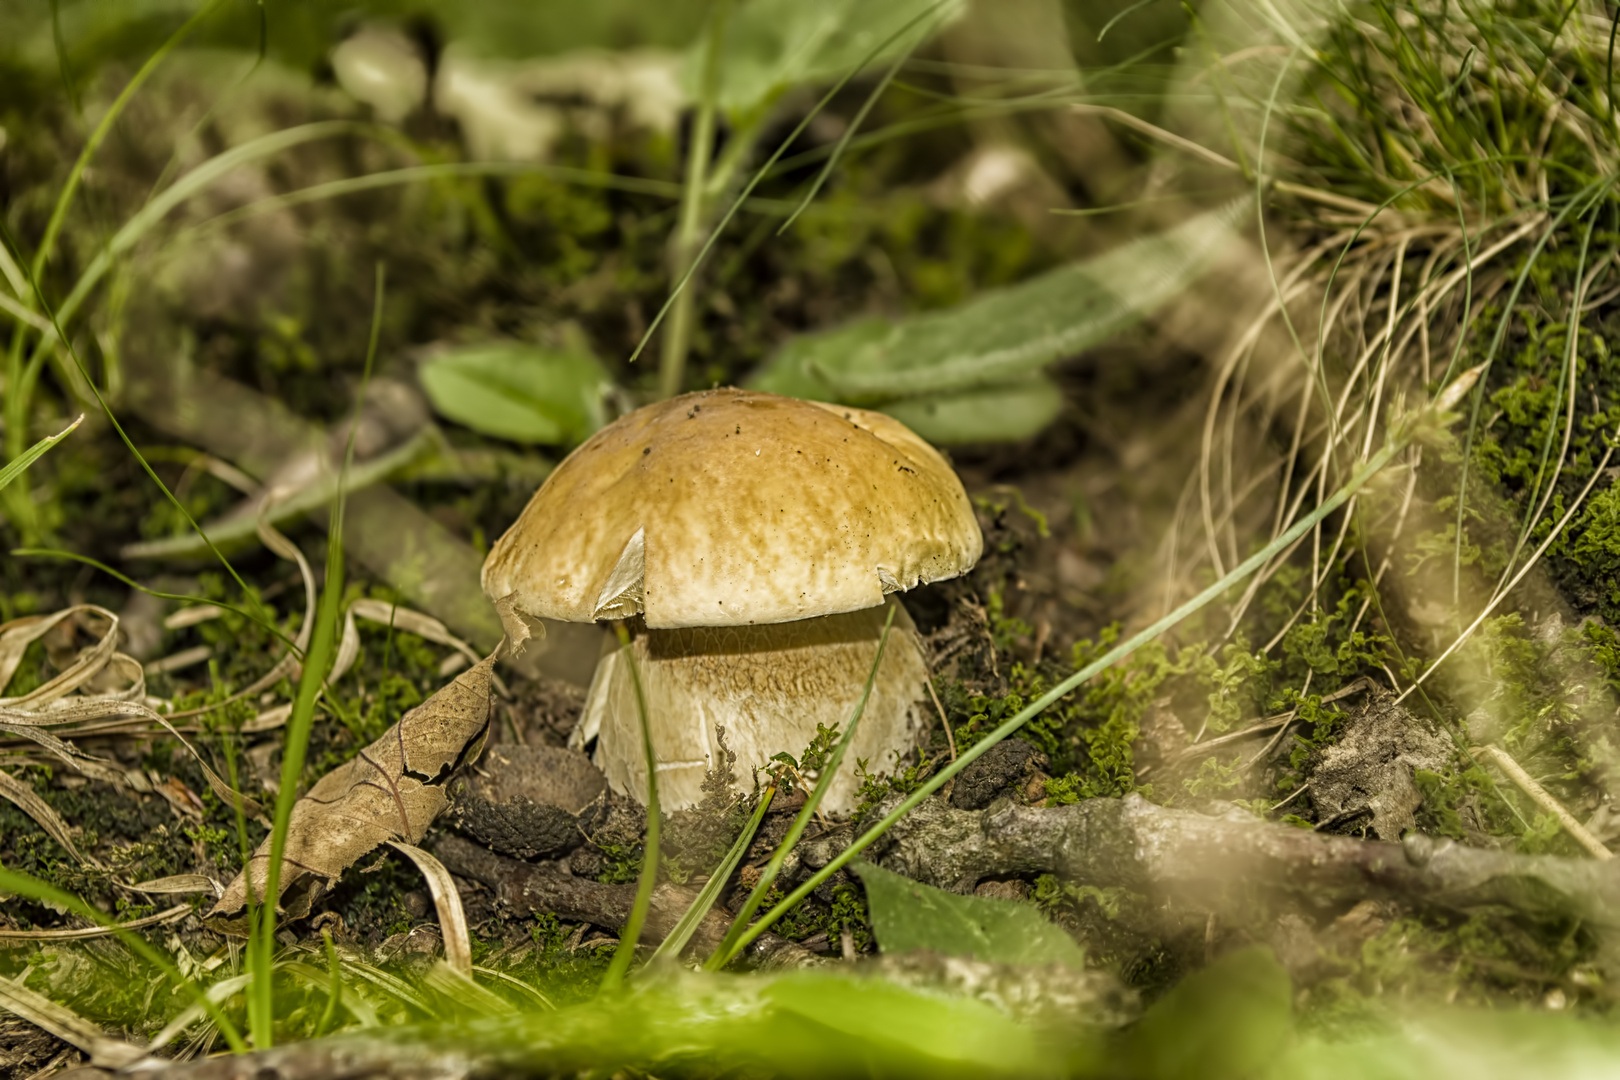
pixel 1276 771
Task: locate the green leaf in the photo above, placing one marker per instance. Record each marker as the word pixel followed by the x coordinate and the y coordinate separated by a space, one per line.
pixel 908 915
pixel 1222 1023
pixel 772 45
pixel 1004 413
pixel 1007 333
pixel 520 392
pixel 16 468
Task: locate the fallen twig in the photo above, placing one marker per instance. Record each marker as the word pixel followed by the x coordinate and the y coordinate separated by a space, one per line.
pixel 1163 852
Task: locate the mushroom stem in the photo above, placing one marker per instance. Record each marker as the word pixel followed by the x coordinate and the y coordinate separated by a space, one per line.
pixel 770 686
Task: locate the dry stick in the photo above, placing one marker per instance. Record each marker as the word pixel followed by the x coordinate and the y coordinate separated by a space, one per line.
pixel 1499 597
pixel 1544 799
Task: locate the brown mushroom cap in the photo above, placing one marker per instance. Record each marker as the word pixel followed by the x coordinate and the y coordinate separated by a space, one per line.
pixel 729 507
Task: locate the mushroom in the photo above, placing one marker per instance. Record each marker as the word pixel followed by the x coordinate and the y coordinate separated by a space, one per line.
pixel 751 541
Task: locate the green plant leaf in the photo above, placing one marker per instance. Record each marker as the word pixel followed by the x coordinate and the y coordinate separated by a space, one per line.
pixel 1003 413
pixel 520 392
pixel 772 45
pixel 1003 334
pixel 1222 1023
pixel 908 915
pixel 14 469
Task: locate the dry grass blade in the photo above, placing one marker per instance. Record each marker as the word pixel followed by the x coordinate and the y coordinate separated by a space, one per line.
pixel 179 885
pixel 174 914
pixel 447 901
pixel 23 797
pixel 82 709
pixel 68 1026
pixel 70 755
pixel 287 666
pixel 17 635
pixel 402 619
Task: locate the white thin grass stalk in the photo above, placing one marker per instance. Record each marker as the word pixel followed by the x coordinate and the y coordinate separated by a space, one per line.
pixel 1567 388
pixel 648 878
pixel 1508 308
pixel 173 914
pixel 737 935
pixel 1544 799
pixel 675 942
pixel 1496 600
pixel 1354 484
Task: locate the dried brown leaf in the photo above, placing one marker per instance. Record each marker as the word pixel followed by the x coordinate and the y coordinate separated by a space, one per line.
pixel 391 790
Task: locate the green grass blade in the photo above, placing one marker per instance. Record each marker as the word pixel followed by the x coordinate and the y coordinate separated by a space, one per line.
pixel 23 885
pixel 682 933
pixel 33 281
pixel 678 339
pixel 311 681
pixel 649 858
pixel 16 468
pixel 70 187
pixel 849 133
pixel 761 173
pixel 735 936
pixel 334 992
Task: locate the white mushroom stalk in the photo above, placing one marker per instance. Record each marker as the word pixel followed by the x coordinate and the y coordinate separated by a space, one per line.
pixel 753 541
